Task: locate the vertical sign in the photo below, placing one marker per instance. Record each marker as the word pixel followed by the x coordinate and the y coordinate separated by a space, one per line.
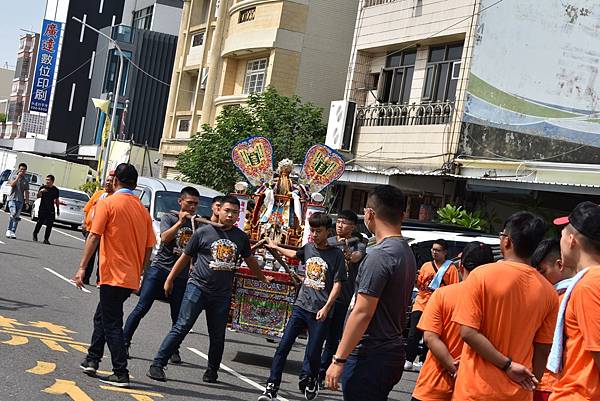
pixel 243 209
pixel 44 67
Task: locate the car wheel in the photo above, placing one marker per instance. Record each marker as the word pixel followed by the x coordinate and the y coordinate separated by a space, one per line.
pixel 75 226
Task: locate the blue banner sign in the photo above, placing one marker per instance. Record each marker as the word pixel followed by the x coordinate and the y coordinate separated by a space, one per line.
pixel 44 67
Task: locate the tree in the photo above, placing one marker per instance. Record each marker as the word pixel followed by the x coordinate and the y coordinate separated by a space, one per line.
pixel 290 125
pixel 2 118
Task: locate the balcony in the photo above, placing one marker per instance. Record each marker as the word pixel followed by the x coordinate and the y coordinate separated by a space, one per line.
pixel 378 115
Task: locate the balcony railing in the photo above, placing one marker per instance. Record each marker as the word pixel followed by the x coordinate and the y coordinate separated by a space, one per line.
pixel 377 115
pixel 369 3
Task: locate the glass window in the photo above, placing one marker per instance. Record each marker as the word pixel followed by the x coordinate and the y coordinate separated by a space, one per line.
pixel 113 69
pixel 247 15
pixel 255 76
pixel 65 193
pixel 166 201
pixel 442 73
pixel 184 125
pixel 395 80
pixel 198 39
pixel 142 19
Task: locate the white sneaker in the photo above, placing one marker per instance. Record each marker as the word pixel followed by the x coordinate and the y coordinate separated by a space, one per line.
pixel 408 365
pixel 8 233
pixel 417 366
pixel 12 235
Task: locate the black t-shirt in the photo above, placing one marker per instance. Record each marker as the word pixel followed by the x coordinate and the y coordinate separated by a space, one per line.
pixel 351 269
pixel 48 197
pixel 387 272
pixel 169 252
pixel 216 252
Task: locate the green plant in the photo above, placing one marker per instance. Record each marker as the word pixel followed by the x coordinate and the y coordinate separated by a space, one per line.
pixel 2 118
pixel 90 187
pixel 290 125
pixel 451 214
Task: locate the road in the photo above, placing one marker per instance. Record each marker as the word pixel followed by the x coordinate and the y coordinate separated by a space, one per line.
pixel 46 324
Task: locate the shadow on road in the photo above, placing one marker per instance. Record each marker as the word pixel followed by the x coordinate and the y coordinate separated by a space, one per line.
pixel 18 254
pixel 12 305
pixel 246 358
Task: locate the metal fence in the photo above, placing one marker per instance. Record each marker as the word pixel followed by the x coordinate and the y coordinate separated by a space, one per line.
pixel 369 3
pixel 377 115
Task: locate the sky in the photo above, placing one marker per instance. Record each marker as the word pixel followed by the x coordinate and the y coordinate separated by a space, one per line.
pixel 17 14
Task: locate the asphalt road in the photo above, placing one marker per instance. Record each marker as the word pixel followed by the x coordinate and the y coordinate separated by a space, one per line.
pixel 46 324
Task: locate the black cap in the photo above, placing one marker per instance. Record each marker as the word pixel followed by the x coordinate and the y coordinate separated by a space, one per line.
pixel 585 218
pixel 127 174
pixel 476 254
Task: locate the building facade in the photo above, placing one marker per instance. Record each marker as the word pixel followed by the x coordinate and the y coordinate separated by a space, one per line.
pixel 229 49
pixel 467 101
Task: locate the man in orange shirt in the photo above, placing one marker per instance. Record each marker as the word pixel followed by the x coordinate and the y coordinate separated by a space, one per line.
pixel 442 335
pixel 507 313
pixel 579 317
pixel 546 259
pixel 88 210
pixel 430 273
pixel 123 228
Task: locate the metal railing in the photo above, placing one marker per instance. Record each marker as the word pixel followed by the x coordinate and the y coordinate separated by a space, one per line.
pixel 377 115
pixel 369 3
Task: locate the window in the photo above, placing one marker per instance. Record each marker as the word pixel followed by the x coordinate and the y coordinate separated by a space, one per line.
pixel 183 125
pixel 255 76
pixel 442 73
pixel 142 19
pixel 246 15
pixel 113 69
pixel 198 39
pixel 395 80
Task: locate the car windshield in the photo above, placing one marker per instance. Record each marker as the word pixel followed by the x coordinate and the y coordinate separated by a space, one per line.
pixel 65 193
pixel 167 201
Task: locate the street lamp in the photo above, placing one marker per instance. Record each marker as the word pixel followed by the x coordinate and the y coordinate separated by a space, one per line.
pixel 115 98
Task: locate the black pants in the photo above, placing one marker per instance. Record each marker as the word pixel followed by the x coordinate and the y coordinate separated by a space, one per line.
pixel 44 218
pixel 414 338
pixel 108 328
pixel 89 269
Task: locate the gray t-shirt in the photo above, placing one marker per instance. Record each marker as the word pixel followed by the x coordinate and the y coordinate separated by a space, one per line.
pixel 17 193
pixel 387 272
pixel 323 268
pixel 351 270
pixel 216 253
pixel 169 252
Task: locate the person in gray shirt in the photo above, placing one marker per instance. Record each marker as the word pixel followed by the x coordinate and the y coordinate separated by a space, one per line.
pixel 17 199
pixel 216 252
pixel 370 358
pixel 175 232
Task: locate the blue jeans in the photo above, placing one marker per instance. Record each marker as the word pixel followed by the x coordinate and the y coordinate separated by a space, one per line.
pixel 372 376
pixel 153 289
pixel 15 208
pixel 195 300
pixel 298 322
pixel 332 340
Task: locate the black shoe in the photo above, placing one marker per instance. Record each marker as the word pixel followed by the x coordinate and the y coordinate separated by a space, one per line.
pixel 210 376
pixel 35 237
pixel 47 242
pixel 89 367
pixel 121 380
pixel 157 373
pixel 270 393
pixel 127 351
pixel 302 382
pixel 312 389
pixel 321 384
pixel 175 359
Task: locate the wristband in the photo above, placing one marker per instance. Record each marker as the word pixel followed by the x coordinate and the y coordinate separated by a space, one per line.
pixel 506 366
pixel 338 361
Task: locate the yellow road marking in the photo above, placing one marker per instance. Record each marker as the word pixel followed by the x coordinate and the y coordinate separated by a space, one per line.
pixel 8 322
pixel 79 348
pixel 26 332
pixel 53 345
pixel 131 391
pixel 140 397
pixel 52 328
pixel 16 340
pixel 43 336
pixel 69 388
pixel 42 368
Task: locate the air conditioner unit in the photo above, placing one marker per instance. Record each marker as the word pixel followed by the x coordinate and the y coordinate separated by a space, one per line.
pixel 340 128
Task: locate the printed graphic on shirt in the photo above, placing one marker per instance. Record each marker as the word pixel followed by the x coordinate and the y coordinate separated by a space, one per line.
pixel 316 268
pixel 223 252
pixel 183 237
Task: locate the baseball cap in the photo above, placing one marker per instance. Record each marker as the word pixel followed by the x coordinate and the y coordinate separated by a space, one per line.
pixel 126 173
pixel 585 218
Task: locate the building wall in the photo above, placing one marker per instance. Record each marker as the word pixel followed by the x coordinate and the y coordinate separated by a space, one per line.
pixel 167 17
pixel 6 80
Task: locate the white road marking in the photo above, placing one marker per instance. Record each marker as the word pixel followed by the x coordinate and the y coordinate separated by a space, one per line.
pixel 3 243
pixel 236 374
pixel 60 276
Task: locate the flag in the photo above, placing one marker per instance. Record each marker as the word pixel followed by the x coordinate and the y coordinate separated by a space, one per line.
pixel 101 104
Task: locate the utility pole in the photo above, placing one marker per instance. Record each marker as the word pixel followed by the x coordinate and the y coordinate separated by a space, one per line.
pixel 115 97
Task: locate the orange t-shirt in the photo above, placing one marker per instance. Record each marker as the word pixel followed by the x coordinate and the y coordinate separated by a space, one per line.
pixel 126 230
pixel 434 383
pixel 550 378
pixel 426 274
pixel 513 306
pixel 89 208
pixel 580 378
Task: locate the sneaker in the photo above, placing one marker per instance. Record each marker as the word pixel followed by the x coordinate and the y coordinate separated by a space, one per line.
pixel 302 382
pixel 121 380
pixel 312 389
pixel 175 358
pixel 321 384
pixel 126 347
pixel 8 233
pixel 13 235
pixel 47 242
pixel 210 376
pixel 157 373
pixel 89 367
pixel 417 366
pixel 408 365
pixel 270 393
pixel 35 238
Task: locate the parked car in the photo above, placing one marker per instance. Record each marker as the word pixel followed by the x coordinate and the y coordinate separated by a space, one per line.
pixel 71 203
pixel 35 182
